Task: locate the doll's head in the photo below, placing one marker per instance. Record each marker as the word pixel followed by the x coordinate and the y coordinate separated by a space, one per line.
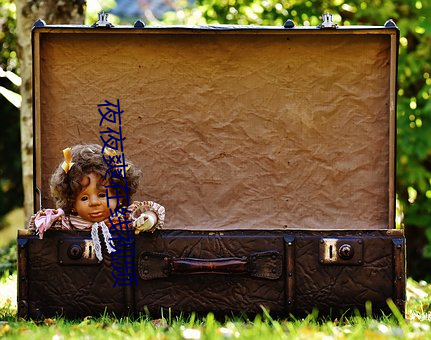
pixel 81 190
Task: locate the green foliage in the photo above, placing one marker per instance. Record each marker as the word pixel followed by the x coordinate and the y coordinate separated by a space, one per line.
pixel 413 18
pixel 10 148
pixel 262 326
pixel 8 259
pixel 414 118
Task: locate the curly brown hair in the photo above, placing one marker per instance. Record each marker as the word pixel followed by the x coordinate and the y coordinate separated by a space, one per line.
pixel 88 158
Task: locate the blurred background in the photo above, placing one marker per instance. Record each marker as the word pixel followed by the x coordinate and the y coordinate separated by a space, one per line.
pixel 413 178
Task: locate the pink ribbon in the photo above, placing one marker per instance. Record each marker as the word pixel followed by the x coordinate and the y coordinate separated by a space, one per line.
pixel 46 218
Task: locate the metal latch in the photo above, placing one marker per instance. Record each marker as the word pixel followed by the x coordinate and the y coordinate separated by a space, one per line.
pixel 76 252
pixel 327 22
pixel 103 20
pixel 341 251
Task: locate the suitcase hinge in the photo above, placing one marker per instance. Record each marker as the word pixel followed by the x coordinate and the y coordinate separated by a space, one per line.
pixel 327 22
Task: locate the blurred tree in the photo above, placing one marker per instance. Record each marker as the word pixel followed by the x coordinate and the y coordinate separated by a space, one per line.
pixel 414 81
pixel 414 132
pixel 10 167
pixel 27 12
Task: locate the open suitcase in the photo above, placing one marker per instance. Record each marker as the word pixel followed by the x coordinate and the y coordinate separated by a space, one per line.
pixel 272 149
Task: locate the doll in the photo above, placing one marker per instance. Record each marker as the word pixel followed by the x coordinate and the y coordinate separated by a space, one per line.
pixel 85 200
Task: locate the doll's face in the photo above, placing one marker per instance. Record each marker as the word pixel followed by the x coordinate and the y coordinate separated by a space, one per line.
pixel 91 203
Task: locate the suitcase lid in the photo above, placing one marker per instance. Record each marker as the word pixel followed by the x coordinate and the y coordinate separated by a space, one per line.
pixel 234 127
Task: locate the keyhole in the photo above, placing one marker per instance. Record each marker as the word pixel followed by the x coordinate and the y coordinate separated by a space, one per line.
pixel 346 251
pixel 75 251
pixel 330 252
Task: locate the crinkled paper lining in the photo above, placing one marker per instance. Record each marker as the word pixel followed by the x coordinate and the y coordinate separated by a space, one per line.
pixel 232 131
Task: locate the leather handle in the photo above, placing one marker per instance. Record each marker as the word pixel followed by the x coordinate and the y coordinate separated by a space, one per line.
pixel 233 265
pixel 265 264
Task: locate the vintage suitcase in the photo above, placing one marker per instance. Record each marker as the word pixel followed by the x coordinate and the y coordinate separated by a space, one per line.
pixel 272 149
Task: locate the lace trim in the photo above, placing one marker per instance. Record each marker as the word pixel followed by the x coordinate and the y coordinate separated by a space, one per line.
pixel 108 237
pixel 96 241
pixel 138 208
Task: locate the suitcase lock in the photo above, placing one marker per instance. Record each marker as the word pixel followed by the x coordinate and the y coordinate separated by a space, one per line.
pixel 76 251
pixel 341 251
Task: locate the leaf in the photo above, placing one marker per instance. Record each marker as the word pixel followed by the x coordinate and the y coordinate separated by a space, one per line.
pixel 49 322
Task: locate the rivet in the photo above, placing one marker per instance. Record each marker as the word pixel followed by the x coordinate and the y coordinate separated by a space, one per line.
pixel 145 258
pixel 61 261
pixel 289 244
pixel 273 257
pixel 145 271
pixel 321 241
pixel 274 270
pixel 321 261
pixel 290 274
pixel 360 261
pixel 360 241
pixel 399 246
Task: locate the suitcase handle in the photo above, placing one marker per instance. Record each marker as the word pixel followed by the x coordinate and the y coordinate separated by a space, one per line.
pixel 266 264
pixel 209 266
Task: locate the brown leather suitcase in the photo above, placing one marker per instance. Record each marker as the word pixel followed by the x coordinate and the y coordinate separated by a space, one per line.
pixel 271 148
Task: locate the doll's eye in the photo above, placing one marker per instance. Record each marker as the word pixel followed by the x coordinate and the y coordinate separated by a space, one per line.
pixel 84 198
pixel 102 195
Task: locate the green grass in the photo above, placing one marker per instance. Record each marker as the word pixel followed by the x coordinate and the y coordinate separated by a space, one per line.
pixel 417 324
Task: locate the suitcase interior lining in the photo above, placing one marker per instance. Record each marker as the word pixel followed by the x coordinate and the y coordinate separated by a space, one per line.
pixel 237 130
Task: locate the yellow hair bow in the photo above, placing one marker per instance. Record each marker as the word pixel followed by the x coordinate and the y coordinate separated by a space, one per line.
pixel 67 164
pixel 112 153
